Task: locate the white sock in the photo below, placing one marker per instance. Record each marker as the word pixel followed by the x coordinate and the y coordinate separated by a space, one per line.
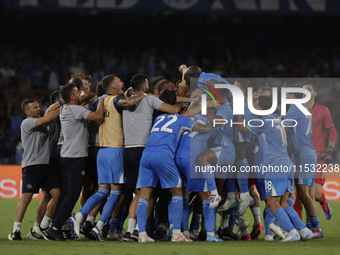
pixel 210 233
pixel 131 225
pixel 256 214
pixel 244 195
pixel 142 234
pixel 45 222
pixel 214 192
pixel 100 225
pixel 186 233
pixel 176 232
pixel 231 195
pixel 79 217
pixel 17 226
pixel 137 227
pixel 91 219
pixel 36 224
pixel 225 220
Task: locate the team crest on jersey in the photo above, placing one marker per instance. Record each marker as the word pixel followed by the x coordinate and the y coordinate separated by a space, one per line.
pixel 29 186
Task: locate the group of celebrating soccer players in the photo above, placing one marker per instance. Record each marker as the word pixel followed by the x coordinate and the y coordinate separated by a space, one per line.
pixel 135 154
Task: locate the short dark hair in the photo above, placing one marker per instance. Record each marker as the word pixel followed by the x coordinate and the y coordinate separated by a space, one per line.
pixel 265 102
pixel 168 96
pixel 310 83
pixel 26 102
pixel 77 82
pixel 244 82
pixel 66 92
pixel 87 77
pixel 137 81
pixel 100 90
pixel 54 96
pixel 163 85
pixel 155 84
pixel 192 72
pixel 264 88
pixel 107 80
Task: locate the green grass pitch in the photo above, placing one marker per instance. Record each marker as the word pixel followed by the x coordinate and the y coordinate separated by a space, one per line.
pixel 329 245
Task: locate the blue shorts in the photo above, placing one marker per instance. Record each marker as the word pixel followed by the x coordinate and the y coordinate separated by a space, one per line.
pixel 158 165
pixel 305 169
pixel 277 183
pixel 110 166
pixel 225 155
pixel 183 166
pixel 260 186
pixel 201 184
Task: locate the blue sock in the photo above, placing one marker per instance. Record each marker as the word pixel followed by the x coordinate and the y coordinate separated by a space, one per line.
pixel 309 223
pixel 125 214
pixel 195 222
pixel 294 217
pixel 186 213
pixel 268 219
pixel 177 211
pixel 142 209
pixel 231 185
pixel 315 221
pixel 211 183
pixel 291 201
pixel 114 225
pixel 208 215
pixel 110 205
pixel 169 213
pixel 283 220
pixel 242 177
pixel 232 219
pixel 94 200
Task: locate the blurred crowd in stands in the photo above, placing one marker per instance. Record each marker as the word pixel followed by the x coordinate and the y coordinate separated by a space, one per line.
pixel 34 71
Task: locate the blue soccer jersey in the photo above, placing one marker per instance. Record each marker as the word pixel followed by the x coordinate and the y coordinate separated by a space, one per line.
pixel 204 77
pixel 157 162
pixel 300 135
pixel 273 142
pixel 240 137
pixel 166 132
pixel 300 138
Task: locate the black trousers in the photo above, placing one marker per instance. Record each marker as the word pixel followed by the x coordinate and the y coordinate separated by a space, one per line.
pixel 73 170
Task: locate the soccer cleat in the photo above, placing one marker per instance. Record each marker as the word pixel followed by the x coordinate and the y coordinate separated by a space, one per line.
pixel 74 227
pixel 135 235
pixel 213 239
pixel 256 232
pixel 128 237
pixel 214 201
pixel 41 232
pixel 33 235
pixel 86 228
pixel 193 234
pixel 318 233
pixel 242 223
pixel 97 234
pixel 327 211
pixel 228 203
pixel 292 236
pixel 226 234
pixel 114 236
pixel 180 238
pixel 55 234
pixel 306 234
pixel 168 236
pixel 276 230
pixel 15 236
pixel 145 239
pixel 162 229
pixel 268 238
pixel 243 205
pixel 245 237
